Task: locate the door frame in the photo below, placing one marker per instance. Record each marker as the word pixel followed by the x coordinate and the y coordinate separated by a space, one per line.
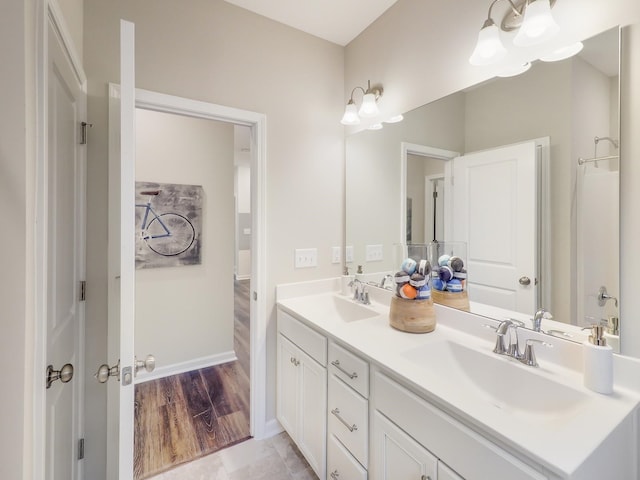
pixel 160 102
pixel 49 15
pixel 446 156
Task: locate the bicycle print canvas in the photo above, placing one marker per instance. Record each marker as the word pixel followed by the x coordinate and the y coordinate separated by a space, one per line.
pixel 168 224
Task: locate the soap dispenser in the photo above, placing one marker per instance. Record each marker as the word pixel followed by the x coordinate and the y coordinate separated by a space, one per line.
pixel 598 361
pixel 360 274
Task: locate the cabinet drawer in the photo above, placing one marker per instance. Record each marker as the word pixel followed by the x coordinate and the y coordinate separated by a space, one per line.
pixel 470 454
pixel 310 341
pixel 349 368
pixel 340 463
pixel 348 420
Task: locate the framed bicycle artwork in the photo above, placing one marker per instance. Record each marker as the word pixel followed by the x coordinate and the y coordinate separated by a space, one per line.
pixel 168 224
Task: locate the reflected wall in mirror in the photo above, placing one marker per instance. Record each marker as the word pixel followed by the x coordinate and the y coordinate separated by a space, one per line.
pixel 573 103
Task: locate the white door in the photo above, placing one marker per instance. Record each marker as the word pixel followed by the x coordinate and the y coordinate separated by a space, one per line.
pixel 65 250
pixel 121 264
pixel 494 212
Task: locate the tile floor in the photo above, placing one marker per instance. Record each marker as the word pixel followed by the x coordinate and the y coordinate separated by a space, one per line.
pixel 275 458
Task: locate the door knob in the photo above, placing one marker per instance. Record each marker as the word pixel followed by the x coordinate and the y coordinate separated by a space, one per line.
pixel 524 281
pixel 65 374
pixel 105 371
pixel 149 364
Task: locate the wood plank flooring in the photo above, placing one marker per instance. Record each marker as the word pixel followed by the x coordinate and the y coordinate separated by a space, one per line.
pixel 183 417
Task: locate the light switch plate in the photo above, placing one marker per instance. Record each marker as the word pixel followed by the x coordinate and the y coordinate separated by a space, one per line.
pixel 335 255
pixel 306 257
pixel 348 254
pixel 374 253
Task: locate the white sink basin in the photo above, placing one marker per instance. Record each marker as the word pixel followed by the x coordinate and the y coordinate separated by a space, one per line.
pixel 501 381
pixel 330 307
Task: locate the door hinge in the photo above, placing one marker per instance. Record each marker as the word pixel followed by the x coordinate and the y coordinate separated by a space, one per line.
pixel 83 132
pixel 81 449
pixel 83 290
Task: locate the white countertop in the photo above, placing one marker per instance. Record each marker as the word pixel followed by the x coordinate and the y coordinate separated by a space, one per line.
pixel 559 440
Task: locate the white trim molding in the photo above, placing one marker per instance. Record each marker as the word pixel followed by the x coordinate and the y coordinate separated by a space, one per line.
pixel 188 366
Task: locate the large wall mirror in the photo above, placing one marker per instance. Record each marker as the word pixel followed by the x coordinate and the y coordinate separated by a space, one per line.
pixel 569 110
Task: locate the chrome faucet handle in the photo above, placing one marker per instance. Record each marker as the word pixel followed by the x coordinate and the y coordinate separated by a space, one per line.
pixel 529 355
pixel 365 297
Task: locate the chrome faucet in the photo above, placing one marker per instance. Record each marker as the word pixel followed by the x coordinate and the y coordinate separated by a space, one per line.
pixel 360 293
pixel 527 357
pixel 538 317
pixel 386 279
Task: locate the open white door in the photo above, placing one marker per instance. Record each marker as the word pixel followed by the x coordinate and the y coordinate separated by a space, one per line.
pixel 121 263
pixel 494 212
pixel 61 229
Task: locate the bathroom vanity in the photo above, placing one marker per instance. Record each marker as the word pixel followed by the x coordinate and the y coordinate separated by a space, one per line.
pixel 362 400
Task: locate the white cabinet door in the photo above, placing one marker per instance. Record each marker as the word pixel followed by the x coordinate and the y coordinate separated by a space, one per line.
pixel 445 473
pixel 312 420
pixel 287 385
pixel 302 402
pixel 396 456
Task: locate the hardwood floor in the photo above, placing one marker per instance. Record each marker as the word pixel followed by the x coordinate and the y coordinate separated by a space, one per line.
pixel 183 417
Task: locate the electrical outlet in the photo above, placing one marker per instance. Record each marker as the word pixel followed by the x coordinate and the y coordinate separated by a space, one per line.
pixel 374 253
pixel 348 254
pixel 335 255
pixel 306 257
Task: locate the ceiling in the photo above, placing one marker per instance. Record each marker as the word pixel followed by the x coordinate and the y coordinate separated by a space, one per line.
pixel 338 21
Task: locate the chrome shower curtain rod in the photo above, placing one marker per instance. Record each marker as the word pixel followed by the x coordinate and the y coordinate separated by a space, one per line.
pixel 582 161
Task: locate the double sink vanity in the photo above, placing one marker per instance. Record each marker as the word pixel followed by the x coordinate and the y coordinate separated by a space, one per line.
pixel 363 400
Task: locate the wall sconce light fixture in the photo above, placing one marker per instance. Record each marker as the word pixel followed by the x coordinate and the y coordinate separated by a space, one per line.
pixel 368 107
pixel 531 18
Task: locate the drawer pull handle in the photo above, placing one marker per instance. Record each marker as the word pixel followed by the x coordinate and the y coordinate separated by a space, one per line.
pixel 352 376
pixel 425 477
pixel 294 361
pixel 351 428
pixel 335 475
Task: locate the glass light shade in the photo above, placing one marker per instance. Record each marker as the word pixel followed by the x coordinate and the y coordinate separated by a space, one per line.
pixel 369 107
pixel 395 119
pixel 537 26
pixel 350 116
pixel 513 71
pixel 563 53
pixel 489 48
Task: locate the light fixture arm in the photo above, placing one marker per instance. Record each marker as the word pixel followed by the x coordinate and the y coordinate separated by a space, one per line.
pixel 376 90
pixel 514 10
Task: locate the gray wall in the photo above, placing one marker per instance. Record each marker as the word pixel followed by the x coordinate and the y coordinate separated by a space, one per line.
pixel 212 51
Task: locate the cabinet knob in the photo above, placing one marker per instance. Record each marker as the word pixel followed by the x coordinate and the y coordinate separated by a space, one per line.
pixel 425 477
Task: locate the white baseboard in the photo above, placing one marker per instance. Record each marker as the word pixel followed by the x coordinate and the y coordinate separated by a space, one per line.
pixel 272 428
pixel 195 364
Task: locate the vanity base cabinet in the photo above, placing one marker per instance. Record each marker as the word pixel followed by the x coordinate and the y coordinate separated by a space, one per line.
pixel 302 402
pixel 472 456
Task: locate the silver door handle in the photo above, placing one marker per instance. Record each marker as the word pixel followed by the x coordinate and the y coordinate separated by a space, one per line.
pixel 352 376
pixel 149 364
pixel 351 428
pixel 524 280
pixel 65 374
pixel 105 371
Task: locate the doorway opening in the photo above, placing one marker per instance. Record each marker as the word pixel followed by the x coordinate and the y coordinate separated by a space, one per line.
pixel 218 223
